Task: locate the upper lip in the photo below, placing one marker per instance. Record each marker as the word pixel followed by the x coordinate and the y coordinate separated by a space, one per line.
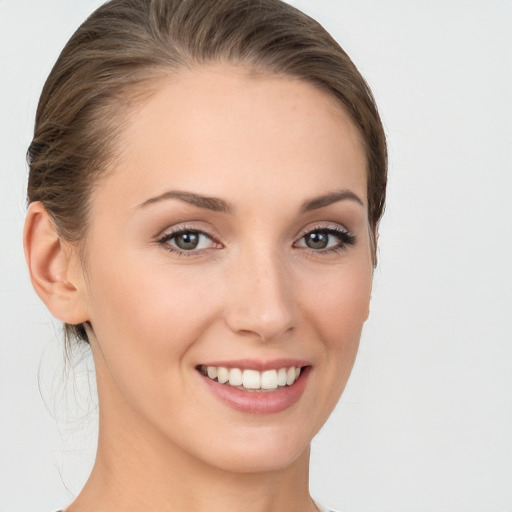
pixel 260 365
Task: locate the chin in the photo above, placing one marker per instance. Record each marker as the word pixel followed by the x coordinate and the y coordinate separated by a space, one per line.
pixel 266 462
pixel 262 449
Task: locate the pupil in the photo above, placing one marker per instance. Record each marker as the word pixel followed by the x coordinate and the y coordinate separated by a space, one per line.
pixel 317 240
pixel 187 241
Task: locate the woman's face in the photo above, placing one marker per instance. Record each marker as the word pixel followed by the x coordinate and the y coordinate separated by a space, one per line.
pixel 230 241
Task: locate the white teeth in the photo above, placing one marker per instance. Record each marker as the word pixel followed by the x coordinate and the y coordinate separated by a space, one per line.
pixel 253 379
pixel 281 377
pixel 269 379
pixel 235 377
pixel 222 374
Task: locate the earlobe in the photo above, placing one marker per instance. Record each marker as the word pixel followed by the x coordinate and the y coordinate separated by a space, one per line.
pixel 53 264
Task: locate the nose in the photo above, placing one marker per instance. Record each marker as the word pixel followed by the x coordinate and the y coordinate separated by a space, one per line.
pixel 260 299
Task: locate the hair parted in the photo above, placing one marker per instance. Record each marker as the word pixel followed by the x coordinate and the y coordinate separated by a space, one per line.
pixel 125 46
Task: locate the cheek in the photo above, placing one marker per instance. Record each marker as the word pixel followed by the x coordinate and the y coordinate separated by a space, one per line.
pixel 342 301
pixel 147 321
pixel 336 308
pixel 143 312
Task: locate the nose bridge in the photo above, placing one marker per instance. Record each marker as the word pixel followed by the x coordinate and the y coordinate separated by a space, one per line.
pixel 261 293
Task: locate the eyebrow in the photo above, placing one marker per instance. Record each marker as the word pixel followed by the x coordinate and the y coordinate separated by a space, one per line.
pixel 219 205
pixel 328 199
pixel 209 203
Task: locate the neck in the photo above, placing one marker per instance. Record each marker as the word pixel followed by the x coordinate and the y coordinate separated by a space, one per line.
pixel 150 478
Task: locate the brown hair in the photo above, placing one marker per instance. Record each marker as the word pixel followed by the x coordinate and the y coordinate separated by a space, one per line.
pixel 126 44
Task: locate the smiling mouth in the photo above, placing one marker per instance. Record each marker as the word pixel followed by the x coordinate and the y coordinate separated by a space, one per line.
pixel 252 380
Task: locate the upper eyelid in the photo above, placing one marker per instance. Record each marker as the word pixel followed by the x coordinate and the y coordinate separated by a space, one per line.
pixel 334 226
pixel 174 231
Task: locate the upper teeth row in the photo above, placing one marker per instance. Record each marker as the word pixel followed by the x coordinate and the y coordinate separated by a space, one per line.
pixel 253 379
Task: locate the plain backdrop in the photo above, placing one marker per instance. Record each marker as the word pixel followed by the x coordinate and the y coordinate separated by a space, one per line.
pixel 425 424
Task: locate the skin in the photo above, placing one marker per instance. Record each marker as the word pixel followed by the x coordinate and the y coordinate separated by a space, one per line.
pixel 265 145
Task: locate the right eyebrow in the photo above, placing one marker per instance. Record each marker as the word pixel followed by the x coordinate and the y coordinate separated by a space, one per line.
pixel 209 203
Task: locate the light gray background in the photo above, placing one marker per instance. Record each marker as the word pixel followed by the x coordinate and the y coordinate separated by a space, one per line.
pixel 426 421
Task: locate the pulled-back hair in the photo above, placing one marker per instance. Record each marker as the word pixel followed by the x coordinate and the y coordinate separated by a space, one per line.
pixel 121 50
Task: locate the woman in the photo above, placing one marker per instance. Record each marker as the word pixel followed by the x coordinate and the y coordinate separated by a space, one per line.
pixel 206 183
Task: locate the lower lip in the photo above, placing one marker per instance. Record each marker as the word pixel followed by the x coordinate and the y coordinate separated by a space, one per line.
pixel 268 402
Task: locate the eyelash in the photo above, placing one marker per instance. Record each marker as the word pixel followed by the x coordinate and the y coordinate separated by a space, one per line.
pixel 345 239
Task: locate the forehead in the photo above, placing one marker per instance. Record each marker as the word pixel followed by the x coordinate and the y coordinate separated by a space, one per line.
pixel 222 130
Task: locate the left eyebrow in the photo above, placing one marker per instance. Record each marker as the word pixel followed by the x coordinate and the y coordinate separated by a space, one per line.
pixel 328 199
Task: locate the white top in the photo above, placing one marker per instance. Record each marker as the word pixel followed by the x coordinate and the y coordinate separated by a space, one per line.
pixel 321 508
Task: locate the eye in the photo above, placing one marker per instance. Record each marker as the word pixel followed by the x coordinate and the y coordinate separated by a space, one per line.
pixel 187 240
pixel 326 239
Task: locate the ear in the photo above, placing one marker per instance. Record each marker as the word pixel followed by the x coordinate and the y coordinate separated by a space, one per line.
pixel 54 266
